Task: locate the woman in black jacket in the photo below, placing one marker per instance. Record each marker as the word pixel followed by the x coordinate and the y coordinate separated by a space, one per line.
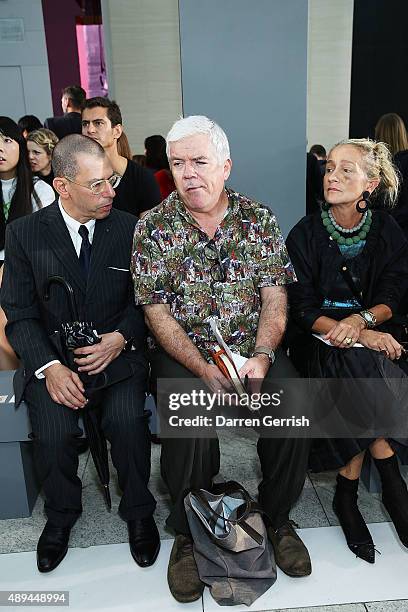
pixel 352 269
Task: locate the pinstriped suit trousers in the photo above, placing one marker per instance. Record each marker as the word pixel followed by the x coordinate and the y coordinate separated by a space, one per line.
pixel 193 462
pixel 55 430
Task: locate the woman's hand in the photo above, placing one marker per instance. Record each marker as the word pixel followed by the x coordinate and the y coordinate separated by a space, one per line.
pixel 382 342
pixel 345 333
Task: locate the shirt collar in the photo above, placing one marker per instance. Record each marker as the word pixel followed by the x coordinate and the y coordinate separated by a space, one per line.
pixel 233 204
pixel 72 223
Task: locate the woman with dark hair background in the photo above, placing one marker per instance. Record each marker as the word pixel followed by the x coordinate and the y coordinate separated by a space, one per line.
pixel 156 160
pixel 155 151
pixel 19 194
pixel 391 130
pixel 29 123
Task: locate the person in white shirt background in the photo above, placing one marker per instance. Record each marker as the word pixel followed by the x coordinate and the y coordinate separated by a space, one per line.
pixel 20 195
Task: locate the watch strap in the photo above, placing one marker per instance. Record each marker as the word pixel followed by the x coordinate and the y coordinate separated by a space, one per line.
pixel 369 317
pixel 264 350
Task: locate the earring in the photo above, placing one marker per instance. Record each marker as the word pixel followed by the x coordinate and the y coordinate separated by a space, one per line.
pixel 325 206
pixel 365 197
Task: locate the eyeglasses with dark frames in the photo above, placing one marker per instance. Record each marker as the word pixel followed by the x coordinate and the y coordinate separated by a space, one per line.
pixel 217 270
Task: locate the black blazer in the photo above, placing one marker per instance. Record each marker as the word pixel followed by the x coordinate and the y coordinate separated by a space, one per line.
pixel 38 246
pixel 70 123
pixel 381 269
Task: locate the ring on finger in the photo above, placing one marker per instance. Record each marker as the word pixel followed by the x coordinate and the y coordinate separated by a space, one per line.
pixel 348 341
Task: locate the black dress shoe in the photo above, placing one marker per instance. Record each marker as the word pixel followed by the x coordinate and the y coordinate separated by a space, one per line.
pixel 52 547
pixel 144 540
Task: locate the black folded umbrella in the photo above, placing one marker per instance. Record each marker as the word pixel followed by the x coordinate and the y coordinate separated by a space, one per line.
pixel 72 335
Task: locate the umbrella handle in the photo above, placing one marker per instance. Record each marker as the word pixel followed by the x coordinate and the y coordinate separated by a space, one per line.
pixel 68 288
pixel 100 386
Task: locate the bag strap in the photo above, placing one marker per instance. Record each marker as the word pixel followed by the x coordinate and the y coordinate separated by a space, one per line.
pixel 232 486
pixel 251 506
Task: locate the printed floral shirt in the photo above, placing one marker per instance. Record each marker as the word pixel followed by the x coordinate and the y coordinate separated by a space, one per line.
pixel 174 262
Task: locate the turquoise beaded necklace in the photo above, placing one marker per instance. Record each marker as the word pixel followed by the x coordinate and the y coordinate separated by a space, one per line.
pixel 337 232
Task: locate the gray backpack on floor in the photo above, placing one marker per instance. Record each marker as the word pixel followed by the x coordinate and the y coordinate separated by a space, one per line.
pixel 233 554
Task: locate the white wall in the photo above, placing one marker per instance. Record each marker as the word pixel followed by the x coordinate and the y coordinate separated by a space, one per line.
pixel 24 77
pixel 329 70
pixel 143 59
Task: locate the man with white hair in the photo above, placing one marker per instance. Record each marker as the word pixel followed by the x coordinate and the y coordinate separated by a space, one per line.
pixel 208 251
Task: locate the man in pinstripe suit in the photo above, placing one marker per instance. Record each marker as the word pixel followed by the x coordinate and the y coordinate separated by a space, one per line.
pixel 81 238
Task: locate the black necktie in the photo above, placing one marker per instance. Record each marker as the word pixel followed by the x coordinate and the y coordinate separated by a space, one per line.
pixel 85 252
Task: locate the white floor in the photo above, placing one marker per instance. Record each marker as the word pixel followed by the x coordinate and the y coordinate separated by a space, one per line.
pixel 105 578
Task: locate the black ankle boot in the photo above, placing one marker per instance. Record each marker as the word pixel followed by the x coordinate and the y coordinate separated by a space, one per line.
pixel 394 495
pixel 358 537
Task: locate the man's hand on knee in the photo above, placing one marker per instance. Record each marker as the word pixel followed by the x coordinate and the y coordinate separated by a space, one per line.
pixel 64 386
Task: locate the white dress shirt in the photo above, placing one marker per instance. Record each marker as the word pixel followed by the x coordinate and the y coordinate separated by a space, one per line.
pixel 73 226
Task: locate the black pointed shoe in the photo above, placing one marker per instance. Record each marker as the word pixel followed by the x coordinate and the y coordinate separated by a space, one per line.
pixel 52 547
pixel 144 540
pixel 364 550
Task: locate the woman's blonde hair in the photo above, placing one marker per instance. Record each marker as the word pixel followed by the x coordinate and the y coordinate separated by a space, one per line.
pixel 390 129
pixel 378 164
pixel 44 138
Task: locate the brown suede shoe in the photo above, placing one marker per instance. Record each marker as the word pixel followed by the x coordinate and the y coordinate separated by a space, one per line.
pixel 182 575
pixel 290 553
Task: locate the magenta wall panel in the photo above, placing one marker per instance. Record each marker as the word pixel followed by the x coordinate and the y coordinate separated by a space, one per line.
pixel 60 34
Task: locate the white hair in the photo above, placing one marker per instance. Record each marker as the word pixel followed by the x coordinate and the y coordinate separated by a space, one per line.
pixel 198 124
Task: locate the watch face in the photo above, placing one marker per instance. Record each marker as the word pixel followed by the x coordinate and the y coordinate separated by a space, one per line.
pixel 369 317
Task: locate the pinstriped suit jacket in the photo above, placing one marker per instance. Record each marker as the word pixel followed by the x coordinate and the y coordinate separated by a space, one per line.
pixel 38 246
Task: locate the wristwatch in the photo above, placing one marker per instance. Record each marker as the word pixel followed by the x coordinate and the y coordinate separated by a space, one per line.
pixel 264 350
pixel 369 318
